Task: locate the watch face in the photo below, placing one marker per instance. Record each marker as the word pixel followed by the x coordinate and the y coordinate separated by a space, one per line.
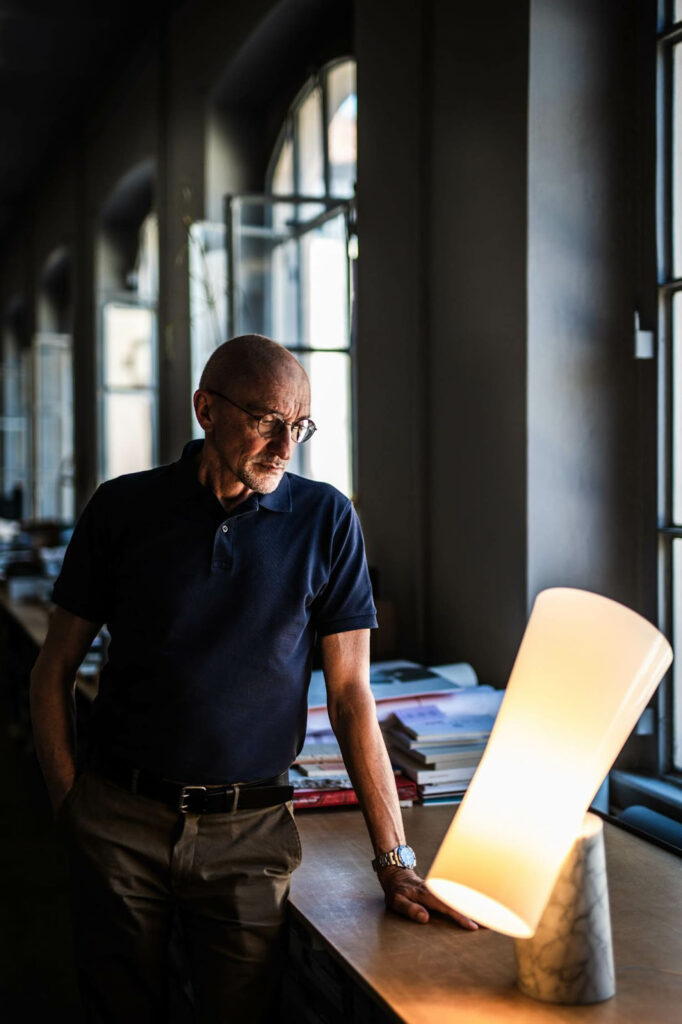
pixel 406 856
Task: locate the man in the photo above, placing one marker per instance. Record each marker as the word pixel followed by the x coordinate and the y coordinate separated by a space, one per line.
pixel 215 576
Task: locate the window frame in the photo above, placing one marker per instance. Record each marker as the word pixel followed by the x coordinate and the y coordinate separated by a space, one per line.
pixel 126 292
pixel 669 35
pixel 129 301
pixel 332 208
pixel 287 133
pixel 64 497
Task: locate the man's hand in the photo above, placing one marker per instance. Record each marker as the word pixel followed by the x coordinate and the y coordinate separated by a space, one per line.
pixel 57 798
pixel 407 894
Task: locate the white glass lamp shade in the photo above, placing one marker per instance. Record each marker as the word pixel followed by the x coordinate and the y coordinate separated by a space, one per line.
pixel 585 670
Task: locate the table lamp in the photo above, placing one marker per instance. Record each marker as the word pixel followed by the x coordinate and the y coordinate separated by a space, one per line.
pixel 521 855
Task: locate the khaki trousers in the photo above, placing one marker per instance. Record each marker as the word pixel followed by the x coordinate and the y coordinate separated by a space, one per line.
pixel 140 871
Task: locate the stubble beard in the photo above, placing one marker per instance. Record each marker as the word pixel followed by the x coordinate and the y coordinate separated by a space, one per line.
pixel 260 481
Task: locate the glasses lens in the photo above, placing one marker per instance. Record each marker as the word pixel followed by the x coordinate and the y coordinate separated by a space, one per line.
pixel 303 431
pixel 270 425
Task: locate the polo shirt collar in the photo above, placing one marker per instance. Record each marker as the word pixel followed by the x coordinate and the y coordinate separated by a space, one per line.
pixel 189 486
pixel 278 500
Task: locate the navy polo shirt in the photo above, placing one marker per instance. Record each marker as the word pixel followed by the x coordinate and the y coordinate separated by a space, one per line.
pixel 212 616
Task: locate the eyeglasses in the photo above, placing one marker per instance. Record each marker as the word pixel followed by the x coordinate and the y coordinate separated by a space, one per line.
pixel 271 424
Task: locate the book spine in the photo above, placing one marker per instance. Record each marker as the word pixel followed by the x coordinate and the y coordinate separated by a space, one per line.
pixel 324 798
pixel 438 774
pixel 304 798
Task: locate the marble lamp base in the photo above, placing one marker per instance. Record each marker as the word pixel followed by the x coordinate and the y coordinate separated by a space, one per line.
pixel 570 957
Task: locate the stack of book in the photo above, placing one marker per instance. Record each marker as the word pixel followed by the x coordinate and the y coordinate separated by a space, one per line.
pixel 320 779
pixel 426 770
pixel 438 749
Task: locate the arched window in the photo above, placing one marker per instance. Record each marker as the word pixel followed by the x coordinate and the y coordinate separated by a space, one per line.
pixel 290 260
pixel 316 153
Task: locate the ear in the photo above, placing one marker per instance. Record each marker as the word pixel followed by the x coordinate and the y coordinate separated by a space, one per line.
pixel 203 411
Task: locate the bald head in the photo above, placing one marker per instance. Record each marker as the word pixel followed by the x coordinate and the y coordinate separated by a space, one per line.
pixel 244 381
pixel 249 360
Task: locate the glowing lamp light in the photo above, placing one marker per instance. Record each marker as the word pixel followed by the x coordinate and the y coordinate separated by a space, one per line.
pixel 585 670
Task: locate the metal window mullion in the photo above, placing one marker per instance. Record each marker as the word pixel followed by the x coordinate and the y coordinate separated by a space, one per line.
pixel 665 417
pixel 664 163
pixel 155 386
pixel 325 134
pixel 308 350
pixel 671 35
pixel 666 531
pixel 295 156
pixel 668 287
pixel 230 282
pixel 292 198
pixel 130 389
pixel 665 695
pixel 100 411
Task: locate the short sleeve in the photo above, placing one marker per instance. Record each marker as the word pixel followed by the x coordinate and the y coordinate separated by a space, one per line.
pixel 83 585
pixel 346 602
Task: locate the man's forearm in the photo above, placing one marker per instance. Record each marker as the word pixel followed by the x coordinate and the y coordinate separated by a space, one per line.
pixel 352 712
pixel 53 720
pixel 53 711
pixel 369 767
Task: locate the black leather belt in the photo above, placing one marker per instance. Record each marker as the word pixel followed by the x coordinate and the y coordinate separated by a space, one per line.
pixel 186 798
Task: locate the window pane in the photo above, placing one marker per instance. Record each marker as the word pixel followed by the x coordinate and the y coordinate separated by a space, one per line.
pixel 677 663
pixel 328 454
pixel 128 346
pixel 147 266
pixel 342 129
pixel 16 436
pixel 207 292
pixel 677 161
pixel 265 254
pixel 129 426
pixel 54 427
pixel 290 275
pixel 324 286
pixel 284 291
pixel 283 174
pixel 309 146
pixel 249 256
pixel 678 10
pixel 331 458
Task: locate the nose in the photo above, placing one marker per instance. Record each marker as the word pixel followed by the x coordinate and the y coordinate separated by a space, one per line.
pixel 281 444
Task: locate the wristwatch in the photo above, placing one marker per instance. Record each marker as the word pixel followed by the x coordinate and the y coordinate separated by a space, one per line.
pixel 399 857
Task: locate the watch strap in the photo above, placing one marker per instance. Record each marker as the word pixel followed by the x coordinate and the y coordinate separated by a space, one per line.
pixel 393 858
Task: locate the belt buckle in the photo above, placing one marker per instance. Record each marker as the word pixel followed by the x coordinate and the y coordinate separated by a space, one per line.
pixel 183 798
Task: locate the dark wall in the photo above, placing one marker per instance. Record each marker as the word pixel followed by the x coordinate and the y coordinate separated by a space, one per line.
pixel 476 431
pixel 582 379
pixel 392 333
pixel 442 199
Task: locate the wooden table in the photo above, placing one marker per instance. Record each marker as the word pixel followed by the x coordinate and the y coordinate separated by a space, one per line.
pixel 437 973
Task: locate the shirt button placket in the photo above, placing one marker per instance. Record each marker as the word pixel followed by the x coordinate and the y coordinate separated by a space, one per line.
pixel 222 555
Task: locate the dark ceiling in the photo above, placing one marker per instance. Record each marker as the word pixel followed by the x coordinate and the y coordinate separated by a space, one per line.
pixel 56 59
